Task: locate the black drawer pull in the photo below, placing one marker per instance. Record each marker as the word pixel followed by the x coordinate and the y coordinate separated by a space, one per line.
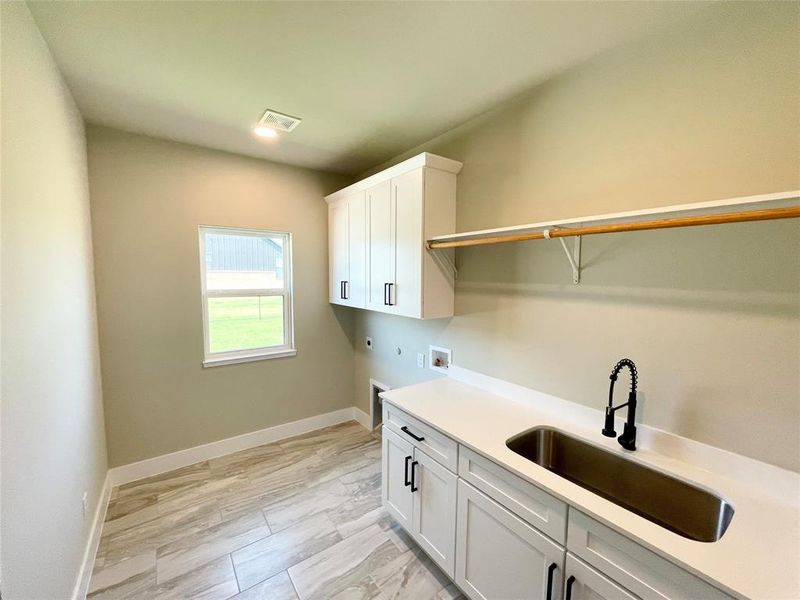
pixel 405 430
pixel 550 570
pixel 570 581
pixel 414 487
pixel 406 480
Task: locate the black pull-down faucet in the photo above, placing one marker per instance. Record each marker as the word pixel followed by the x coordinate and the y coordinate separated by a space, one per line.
pixel 628 438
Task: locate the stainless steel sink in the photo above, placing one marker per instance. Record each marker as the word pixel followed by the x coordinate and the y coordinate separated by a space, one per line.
pixel 676 505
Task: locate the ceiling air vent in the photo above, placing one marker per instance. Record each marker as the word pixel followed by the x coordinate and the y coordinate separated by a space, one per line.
pixel 278 120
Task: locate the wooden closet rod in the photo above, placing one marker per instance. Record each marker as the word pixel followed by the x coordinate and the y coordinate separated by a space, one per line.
pixel 718 219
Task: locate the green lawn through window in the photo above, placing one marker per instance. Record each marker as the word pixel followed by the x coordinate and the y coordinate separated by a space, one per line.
pixel 242 323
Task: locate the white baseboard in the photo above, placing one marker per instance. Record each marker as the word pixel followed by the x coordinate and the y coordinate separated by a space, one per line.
pixel 362 418
pixel 190 456
pixel 89 554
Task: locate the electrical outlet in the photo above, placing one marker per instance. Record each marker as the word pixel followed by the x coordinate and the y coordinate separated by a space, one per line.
pixel 368 343
pixel 85 502
pixel 420 360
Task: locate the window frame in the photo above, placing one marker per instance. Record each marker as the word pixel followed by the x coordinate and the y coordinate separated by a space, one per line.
pixel 213 359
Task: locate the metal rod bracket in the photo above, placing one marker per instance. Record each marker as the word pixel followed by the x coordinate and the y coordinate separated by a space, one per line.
pixel 445 259
pixel 574 257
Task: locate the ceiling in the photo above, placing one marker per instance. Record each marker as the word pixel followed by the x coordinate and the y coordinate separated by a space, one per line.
pixel 369 79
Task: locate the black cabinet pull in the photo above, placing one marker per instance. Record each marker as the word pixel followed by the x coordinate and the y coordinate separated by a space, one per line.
pixel 346 290
pixel 390 285
pixel 385 301
pixel 414 487
pixel 550 570
pixel 570 581
pixel 406 480
pixel 341 290
pixel 405 430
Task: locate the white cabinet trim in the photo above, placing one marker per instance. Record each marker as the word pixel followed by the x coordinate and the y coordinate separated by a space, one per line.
pixel 425 159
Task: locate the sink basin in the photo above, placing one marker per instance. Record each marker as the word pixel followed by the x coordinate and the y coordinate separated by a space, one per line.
pixel 674 504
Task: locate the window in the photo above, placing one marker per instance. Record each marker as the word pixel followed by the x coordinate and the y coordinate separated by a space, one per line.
pixel 246 278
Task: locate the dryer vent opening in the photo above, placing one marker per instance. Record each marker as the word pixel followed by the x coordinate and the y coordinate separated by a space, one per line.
pixel 375 403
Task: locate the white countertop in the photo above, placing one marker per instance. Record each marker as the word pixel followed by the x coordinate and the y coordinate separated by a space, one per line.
pixel 757 557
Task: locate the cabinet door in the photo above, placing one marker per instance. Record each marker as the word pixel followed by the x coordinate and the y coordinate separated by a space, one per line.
pixel 585 583
pixel 434 491
pixel 380 241
pixel 337 250
pixel 396 477
pixel 407 201
pixel 356 286
pixel 498 555
pixel 633 566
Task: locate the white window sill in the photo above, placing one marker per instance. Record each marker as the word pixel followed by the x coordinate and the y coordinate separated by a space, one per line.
pixel 232 360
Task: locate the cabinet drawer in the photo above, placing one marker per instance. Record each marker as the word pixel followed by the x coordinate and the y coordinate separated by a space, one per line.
pixel 435 444
pixel 636 568
pixel 536 506
pixel 584 583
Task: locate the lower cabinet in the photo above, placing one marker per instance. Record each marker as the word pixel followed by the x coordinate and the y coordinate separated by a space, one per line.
pixel 421 496
pixel 396 459
pixel 506 539
pixel 584 583
pixel 434 521
pixel 500 555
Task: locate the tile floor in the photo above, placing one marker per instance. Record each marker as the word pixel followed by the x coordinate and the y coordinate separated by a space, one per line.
pixel 300 518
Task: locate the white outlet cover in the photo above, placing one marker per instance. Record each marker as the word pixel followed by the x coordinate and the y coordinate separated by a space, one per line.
pixel 421 360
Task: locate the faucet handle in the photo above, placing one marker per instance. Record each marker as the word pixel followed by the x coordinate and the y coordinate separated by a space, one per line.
pixel 608 428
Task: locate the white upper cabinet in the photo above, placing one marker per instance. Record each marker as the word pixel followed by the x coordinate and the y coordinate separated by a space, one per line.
pixel 403 207
pixel 380 246
pixel 347 234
